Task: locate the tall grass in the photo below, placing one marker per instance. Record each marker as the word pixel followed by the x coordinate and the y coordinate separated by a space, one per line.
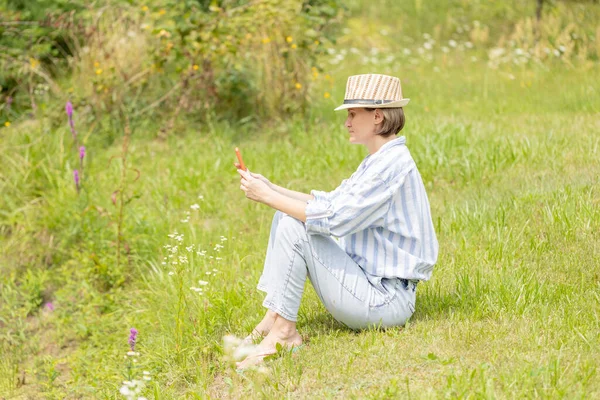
pixel 509 158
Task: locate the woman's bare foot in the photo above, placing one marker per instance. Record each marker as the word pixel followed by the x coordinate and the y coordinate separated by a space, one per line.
pixel 263 327
pixel 283 332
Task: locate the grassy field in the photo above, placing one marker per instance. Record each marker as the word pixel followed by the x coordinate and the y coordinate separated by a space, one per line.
pixel 510 158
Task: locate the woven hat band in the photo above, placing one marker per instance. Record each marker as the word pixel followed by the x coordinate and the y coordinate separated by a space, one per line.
pixel 367 102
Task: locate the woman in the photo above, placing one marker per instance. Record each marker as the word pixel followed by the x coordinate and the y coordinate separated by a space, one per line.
pixel 380 215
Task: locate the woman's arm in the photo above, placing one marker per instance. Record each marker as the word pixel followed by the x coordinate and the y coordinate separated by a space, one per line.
pixel 287 205
pixel 292 193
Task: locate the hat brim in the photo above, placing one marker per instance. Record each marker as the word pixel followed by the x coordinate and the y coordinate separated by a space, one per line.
pixel 394 104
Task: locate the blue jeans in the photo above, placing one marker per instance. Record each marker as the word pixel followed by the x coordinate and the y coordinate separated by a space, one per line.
pixel 354 298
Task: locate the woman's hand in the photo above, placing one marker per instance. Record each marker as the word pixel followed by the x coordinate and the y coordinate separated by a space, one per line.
pixel 256 189
pixel 257 176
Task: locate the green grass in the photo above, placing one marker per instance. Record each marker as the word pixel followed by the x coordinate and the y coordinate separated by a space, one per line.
pixel 512 310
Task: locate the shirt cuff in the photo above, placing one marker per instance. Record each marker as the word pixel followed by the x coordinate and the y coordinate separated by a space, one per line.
pixel 318 211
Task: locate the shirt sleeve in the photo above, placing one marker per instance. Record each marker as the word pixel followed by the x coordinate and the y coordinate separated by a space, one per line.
pixel 351 210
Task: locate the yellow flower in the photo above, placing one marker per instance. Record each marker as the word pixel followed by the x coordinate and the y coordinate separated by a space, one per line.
pixel 289 39
pixel 327 95
pixel 298 85
pixel 315 74
pixel 96 64
pixel 266 40
pixel 195 67
pixel 98 71
pixel 145 8
pixel 7 124
pixel 317 42
pixel 248 35
pixel 327 76
pixel 294 46
pixel 70 90
pixel 163 33
pixel 33 62
pixel 162 12
pixel 314 69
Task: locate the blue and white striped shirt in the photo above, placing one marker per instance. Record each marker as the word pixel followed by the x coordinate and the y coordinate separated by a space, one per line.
pixel 382 216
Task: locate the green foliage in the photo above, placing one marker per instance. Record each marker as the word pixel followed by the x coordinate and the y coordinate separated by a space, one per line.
pixel 512 308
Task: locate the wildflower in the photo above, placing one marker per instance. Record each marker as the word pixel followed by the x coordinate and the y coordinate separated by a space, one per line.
pixel 171 273
pixel 427 45
pixel 81 153
pixel 468 45
pixel 144 8
pixel 7 124
pixel 452 43
pixel 76 177
pixel 33 62
pixel 9 101
pixel 298 85
pixel 162 12
pixel 49 306
pixel 289 39
pixel 195 67
pixel 96 64
pixel 326 95
pixel 294 46
pixel 190 248
pixel 98 71
pixel 445 49
pixel 317 42
pixel 223 238
pixel 69 110
pixel 266 40
pixel 132 338
pixel 201 197
pixel 163 33
pixel 248 35
pixel 195 207
pixel 215 270
pixel 203 283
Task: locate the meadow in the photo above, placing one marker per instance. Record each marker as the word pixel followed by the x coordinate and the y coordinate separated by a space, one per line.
pixel 508 145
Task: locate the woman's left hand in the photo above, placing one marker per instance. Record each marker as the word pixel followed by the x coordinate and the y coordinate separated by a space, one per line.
pixel 254 188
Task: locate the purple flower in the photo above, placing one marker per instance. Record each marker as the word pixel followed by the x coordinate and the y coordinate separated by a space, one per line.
pixel 76 177
pixel 49 306
pixel 132 337
pixel 69 109
pixel 9 101
pixel 81 152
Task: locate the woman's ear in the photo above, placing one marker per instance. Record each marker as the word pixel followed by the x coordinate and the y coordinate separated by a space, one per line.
pixel 378 116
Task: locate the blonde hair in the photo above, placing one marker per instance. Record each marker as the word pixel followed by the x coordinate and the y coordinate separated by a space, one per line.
pixel 393 121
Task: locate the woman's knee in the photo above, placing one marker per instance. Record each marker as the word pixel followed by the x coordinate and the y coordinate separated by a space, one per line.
pixel 290 227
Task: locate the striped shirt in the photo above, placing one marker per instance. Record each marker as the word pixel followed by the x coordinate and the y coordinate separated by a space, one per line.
pixel 381 215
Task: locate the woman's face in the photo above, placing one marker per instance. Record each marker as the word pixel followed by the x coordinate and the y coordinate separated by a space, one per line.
pixel 361 124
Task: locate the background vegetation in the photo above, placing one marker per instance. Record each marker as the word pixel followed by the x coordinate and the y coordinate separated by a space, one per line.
pixel 154 233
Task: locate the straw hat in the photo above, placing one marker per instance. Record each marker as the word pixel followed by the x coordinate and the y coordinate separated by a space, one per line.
pixel 373 91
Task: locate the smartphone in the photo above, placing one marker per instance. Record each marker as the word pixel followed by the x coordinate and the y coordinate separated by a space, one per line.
pixel 241 161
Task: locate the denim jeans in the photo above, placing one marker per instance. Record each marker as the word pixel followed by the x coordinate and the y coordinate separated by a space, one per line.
pixel 347 292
